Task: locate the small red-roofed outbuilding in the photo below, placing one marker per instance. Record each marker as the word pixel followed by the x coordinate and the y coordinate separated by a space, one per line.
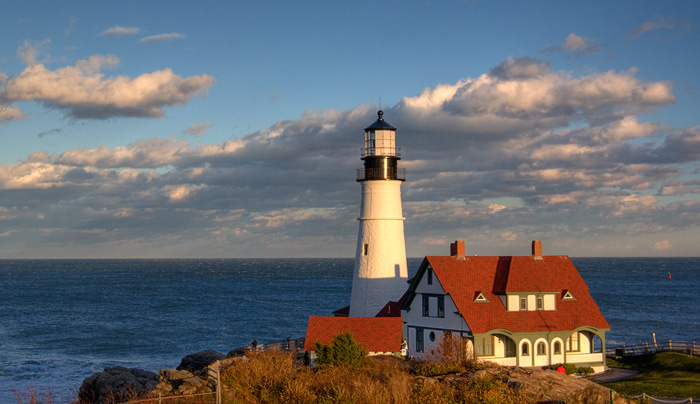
pixel 379 335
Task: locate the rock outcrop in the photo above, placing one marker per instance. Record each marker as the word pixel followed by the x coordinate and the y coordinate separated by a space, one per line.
pixel 542 386
pixel 116 384
pixel 198 362
pixel 180 382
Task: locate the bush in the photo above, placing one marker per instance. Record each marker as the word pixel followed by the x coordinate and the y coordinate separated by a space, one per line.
pixel 342 350
pixel 569 367
pixel 585 370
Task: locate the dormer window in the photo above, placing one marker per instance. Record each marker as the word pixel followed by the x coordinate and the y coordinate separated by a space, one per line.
pixel 567 295
pixel 481 298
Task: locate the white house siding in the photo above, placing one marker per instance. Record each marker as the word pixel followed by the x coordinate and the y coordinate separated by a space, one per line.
pixel 415 322
pixel 541 359
pixel 585 341
pixel 525 360
pixel 557 358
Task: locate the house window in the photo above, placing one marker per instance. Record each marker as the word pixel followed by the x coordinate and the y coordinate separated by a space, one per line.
pixel 540 303
pixel 420 345
pixel 485 346
pixel 541 348
pixel 510 348
pixel 525 349
pixel 430 276
pixel 440 301
pixel 365 249
pixel 557 348
pixel 572 343
pixel 432 336
pixel 523 303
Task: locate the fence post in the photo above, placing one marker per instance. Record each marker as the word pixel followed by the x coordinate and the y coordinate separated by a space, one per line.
pixel 670 345
pixel 218 382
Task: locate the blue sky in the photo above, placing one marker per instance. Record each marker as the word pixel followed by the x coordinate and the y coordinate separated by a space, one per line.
pixel 183 129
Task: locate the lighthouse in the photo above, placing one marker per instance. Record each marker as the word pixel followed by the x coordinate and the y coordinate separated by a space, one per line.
pixel 380 261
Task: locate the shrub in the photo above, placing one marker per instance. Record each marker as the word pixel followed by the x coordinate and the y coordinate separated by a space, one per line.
pixel 585 370
pixel 342 350
pixel 452 355
pixel 453 350
pixel 569 367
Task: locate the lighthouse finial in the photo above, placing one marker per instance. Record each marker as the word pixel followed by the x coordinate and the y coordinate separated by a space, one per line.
pixel 380 115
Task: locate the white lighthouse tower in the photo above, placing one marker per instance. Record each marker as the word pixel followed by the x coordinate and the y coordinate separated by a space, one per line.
pixel 380 261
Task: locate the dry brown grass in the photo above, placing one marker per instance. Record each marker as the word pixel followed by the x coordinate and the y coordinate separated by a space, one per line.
pixel 274 377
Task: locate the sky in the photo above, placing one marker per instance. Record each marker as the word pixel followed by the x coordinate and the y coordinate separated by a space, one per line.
pixel 217 129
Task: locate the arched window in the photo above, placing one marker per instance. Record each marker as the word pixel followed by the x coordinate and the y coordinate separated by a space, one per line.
pixel 525 349
pixel 557 348
pixel 541 348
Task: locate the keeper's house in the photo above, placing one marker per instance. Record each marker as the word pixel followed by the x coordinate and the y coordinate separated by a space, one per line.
pixel 527 311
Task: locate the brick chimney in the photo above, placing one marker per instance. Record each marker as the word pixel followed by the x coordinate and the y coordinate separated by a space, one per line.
pixel 537 249
pixel 457 249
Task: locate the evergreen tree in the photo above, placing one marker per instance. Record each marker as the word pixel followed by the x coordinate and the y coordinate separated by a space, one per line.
pixel 342 350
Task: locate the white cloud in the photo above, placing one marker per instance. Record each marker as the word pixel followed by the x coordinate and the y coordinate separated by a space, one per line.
pixel 574 43
pixel 30 50
pixel 82 91
pixel 10 112
pixel 521 150
pixel 162 38
pixel 72 22
pixel 198 129
pixel 121 31
pixel 662 245
pixel 658 23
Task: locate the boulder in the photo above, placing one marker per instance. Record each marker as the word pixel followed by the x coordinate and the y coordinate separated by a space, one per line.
pixel 179 382
pixel 116 384
pixel 547 386
pixel 197 362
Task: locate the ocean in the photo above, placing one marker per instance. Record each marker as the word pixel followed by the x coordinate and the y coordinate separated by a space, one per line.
pixel 63 320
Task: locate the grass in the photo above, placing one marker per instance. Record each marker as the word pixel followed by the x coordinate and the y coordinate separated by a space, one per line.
pixel 666 374
pixel 274 377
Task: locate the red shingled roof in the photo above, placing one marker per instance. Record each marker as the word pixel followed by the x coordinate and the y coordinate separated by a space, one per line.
pixel 463 278
pixel 377 334
pixel 392 308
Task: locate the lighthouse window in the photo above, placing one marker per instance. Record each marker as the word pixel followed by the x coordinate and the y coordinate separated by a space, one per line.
pixel 369 142
pixel 365 249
